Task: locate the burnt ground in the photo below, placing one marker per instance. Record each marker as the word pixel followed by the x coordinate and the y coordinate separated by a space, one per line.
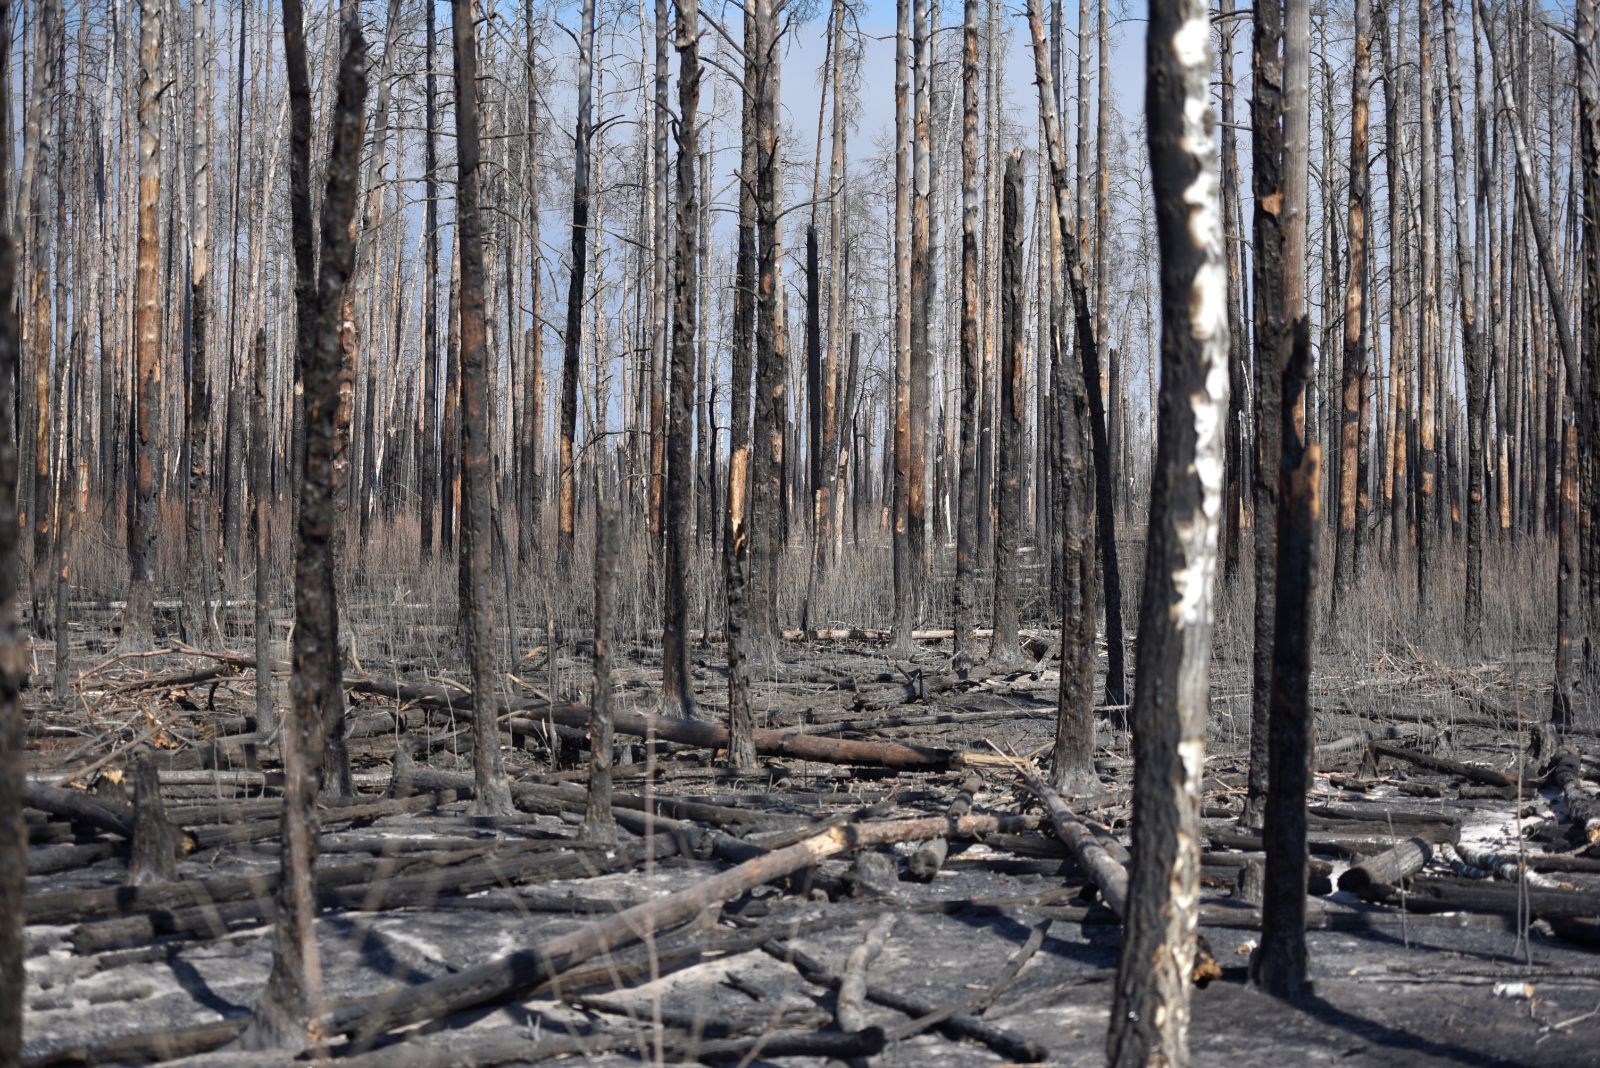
pixel 441 891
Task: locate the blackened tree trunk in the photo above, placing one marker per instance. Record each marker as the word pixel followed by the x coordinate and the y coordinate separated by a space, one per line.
pixel 971 359
pixel 599 824
pixel 1150 1004
pixel 904 592
pixel 13 642
pixel 530 531
pixel 572 339
pixel 1427 429
pixel 1471 344
pixel 1353 372
pixel 147 336
pixel 428 475
pixel 197 586
pixel 1239 340
pixel 1072 763
pixel 287 1006
pixel 1267 282
pixel 261 517
pixel 491 793
pixel 677 695
pixel 1012 415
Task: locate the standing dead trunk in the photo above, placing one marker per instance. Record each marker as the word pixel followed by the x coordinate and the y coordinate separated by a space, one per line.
pixel 197 585
pixel 1353 373
pixel 1267 282
pixel 491 792
pixel 599 824
pixel 1072 763
pixel 677 694
pixel 147 337
pixel 971 359
pixel 1427 453
pixel 428 418
pixel 1239 356
pixel 904 611
pixel 1012 415
pixel 572 338
pixel 284 1012
pixel 13 642
pixel 261 517
pixel 1150 1003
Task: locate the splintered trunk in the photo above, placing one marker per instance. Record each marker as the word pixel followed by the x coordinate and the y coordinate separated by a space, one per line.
pixel 1012 415
pixel 1353 373
pixel 491 793
pixel 1150 1003
pixel 1072 758
pixel 677 695
pixel 736 534
pixel 147 336
pixel 288 1005
pixel 1271 337
pixel 971 359
pixel 572 339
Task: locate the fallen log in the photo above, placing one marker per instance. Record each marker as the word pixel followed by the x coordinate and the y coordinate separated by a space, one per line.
pixel 930 855
pixel 1109 877
pixel 1469 895
pixel 1005 1043
pixel 850 1006
pixel 1389 867
pixel 522 970
pixel 1472 772
pixel 1583 808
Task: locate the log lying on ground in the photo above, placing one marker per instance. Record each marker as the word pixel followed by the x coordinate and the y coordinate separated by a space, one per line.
pixel 1470 895
pixel 1109 877
pixel 521 971
pixel 1472 772
pixel 1006 1044
pixel 930 855
pixel 850 1007
pixel 1389 867
pixel 640 725
pixel 1583 808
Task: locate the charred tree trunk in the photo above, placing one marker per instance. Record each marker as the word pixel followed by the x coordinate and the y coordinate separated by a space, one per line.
pixel 1239 341
pixel 1427 429
pixel 197 588
pixel 147 337
pixel 599 824
pixel 428 475
pixel 491 792
pixel 1012 416
pixel 971 359
pixel 904 592
pixel 261 517
pixel 1150 1003
pixel 677 694
pixel 13 642
pixel 1353 373
pixel 1267 283
pixel 287 1006
pixel 572 339
pixel 1072 763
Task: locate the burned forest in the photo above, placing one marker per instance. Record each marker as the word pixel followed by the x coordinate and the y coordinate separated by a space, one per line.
pixel 799 532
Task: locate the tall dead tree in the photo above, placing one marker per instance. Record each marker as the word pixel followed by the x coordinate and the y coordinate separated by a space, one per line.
pixel 904 611
pixel 1271 339
pixel 677 694
pixel 261 519
pixel 142 516
pixel 491 793
pixel 971 359
pixel 428 474
pixel 530 528
pixel 1012 415
pixel 13 642
pixel 287 1005
pixel 1354 369
pixel 572 338
pixel 1072 757
pixel 1471 343
pixel 1428 321
pixel 197 587
pixel 1150 1003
